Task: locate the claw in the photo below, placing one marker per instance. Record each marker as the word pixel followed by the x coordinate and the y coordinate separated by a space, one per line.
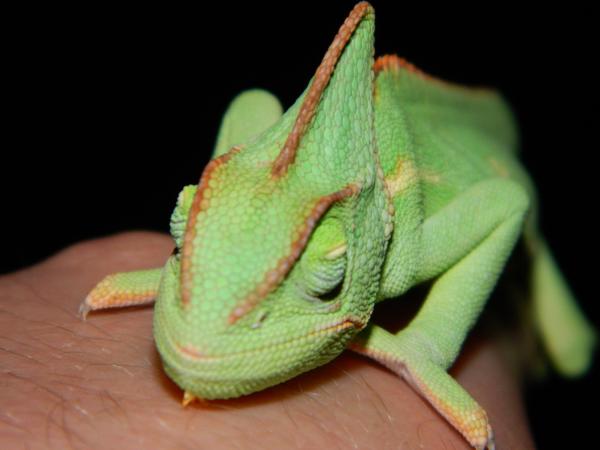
pixel 188 398
pixel 84 308
pixel 491 445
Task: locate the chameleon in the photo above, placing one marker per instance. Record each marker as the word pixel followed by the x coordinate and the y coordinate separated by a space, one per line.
pixel 377 179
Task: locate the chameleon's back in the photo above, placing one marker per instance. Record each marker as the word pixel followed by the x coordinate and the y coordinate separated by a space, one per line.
pixel 437 139
pixel 454 135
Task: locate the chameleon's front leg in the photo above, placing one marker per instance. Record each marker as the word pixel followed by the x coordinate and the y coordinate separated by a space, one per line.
pixel 123 289
pixel 408 356
pixel 468 242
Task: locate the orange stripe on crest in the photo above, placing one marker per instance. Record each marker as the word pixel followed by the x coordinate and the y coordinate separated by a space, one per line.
pixel 274 277
pixel 395 63
pixel 288 153
pixel 190 230
pixel 387 62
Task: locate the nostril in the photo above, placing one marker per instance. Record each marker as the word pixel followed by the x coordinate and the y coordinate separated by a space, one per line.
pixel 259 320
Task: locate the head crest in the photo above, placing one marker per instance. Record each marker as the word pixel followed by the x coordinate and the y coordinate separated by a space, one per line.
pixel 321 79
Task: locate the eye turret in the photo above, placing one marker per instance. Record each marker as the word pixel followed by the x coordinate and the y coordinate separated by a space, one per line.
pixel 323 265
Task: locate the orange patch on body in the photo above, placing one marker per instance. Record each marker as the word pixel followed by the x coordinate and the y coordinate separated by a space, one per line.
pixel 404 176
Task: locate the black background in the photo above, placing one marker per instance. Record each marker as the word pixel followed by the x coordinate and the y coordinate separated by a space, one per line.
pixel 109 112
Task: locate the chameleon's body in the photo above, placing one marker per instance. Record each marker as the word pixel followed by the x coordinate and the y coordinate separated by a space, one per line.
pixel 377 179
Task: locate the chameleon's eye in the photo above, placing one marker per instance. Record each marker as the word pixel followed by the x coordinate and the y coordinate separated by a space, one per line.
pixel 332 293
pixel 323 276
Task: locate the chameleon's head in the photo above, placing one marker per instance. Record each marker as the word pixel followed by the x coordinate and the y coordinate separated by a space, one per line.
pixel 284 239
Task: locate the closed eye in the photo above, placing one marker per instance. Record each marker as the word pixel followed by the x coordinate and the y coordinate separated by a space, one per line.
pixel 323 277
pixel 332 293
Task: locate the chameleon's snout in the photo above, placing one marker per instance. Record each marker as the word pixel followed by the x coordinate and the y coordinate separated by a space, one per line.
pixel 241 359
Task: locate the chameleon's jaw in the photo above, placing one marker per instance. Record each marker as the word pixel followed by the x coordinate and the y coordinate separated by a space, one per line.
pixel 213 359
pixel 233 374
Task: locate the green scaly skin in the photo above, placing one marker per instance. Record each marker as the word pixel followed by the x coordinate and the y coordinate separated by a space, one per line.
pixel 396 179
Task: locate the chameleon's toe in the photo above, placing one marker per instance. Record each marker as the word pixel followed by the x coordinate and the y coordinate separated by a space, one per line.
pixel 188 398
pixel 476 429
pixel 453 403
pixel 85 308
pixel 491 444
pixel 122 289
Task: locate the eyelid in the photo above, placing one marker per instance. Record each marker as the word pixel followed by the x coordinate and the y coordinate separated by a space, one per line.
pixel 336 252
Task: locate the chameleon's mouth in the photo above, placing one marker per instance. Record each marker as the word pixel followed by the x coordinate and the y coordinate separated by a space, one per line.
pixel 192 353
pixel 349 322
pixel 233 363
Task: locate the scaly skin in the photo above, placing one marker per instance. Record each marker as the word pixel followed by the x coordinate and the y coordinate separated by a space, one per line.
pixel 377 179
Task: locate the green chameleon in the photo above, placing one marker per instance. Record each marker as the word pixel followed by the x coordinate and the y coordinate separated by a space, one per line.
pixel 377 179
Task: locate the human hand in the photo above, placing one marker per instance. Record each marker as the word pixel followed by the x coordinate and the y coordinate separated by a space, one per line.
pixel 99 384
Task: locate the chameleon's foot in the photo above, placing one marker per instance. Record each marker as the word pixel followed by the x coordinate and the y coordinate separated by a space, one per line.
pixel 122 289
pixel 432 382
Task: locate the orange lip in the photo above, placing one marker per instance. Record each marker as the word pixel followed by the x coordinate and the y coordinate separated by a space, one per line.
pixel 338 326
pixel 194 354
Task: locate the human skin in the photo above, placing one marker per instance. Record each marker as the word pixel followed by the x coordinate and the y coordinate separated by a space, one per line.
pixel 66 383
